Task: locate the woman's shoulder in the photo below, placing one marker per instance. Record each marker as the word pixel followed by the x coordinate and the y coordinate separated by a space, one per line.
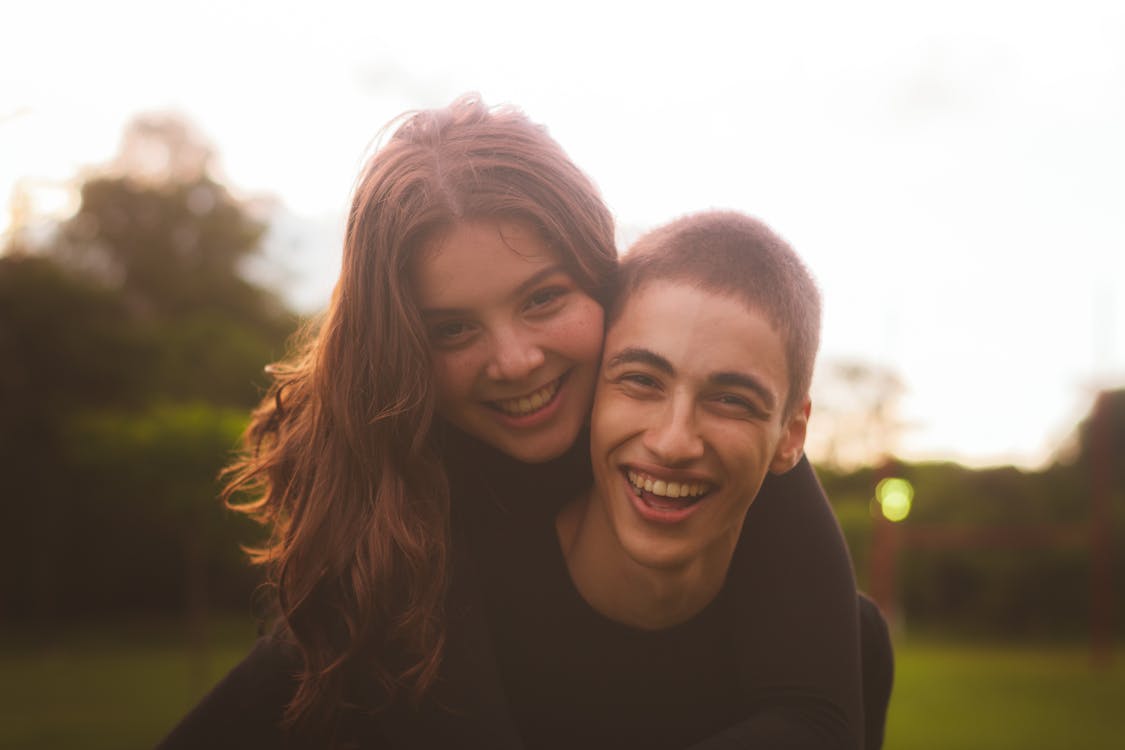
pixel 245 708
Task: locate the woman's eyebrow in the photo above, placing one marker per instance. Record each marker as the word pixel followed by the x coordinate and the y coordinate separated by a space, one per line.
pixel 539 277
pixel 638 355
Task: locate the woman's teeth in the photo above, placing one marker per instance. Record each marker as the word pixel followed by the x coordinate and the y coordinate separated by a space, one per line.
pixel 524 405
pixel 664 488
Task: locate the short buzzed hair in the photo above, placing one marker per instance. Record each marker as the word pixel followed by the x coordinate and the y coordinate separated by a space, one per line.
pixel 729 253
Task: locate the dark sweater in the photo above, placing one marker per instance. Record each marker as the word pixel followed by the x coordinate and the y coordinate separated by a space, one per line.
pixel 792 598
pixel 792 593
pixel 575 679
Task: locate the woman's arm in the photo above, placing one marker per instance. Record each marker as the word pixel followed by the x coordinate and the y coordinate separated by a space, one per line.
pixel 796 609
pixel 245 708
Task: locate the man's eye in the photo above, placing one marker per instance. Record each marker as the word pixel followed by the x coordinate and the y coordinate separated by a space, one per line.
pixel 739 404
pixel 639 379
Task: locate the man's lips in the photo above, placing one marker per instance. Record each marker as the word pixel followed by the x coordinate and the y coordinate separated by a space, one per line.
pixel 665 498
pixel 686 489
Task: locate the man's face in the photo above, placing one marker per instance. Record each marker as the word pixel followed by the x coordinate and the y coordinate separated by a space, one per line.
pixel 688 418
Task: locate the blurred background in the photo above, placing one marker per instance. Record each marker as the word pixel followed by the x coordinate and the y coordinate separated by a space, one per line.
pixel 174 178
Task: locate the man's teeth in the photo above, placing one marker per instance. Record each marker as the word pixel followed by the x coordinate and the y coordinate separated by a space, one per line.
pixel 663 488
pixel 518 407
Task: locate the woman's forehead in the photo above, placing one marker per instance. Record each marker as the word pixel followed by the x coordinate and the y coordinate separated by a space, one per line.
pixel 480 259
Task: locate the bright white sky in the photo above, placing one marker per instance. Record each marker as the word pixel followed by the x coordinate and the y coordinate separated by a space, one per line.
pixel 953 172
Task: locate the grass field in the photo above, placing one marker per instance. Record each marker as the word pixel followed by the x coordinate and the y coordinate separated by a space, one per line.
pixel 124 688
pixel 1005 696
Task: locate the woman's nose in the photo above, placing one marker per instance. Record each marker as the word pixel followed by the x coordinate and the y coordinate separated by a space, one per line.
pixel 515 355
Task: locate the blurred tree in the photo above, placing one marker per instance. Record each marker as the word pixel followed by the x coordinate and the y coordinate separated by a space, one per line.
pixel 163 149
pixel 156 477
pixel 1036 578
pixel 167 456
pixel 156 228
pixel 134 307
pixel 1088 438
pixel 855 418
pixel 65 344
pixel 168 249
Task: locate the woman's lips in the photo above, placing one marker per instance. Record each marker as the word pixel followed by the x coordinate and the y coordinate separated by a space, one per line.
pixel 533 409
pixel 530 403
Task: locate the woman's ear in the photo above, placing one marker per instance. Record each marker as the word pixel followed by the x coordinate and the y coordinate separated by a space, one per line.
pixel 792 443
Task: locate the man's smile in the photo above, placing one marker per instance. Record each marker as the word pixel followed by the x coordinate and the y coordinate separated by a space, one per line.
pixel 687 489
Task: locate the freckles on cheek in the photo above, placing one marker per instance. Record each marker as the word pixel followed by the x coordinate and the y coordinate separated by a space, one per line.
pixel 584 325
pixel 447 384
pixel 585 340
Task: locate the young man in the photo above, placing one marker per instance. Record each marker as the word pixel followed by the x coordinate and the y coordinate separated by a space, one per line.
pixel 703 391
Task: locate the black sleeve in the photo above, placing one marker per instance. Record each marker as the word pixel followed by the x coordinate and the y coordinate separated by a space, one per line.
pixel 798 629
pixel 245 708
pixel 878 670
pixel 782 724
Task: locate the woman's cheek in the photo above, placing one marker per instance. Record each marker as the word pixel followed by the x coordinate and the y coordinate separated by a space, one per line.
pixel 453 377
pixel 584 332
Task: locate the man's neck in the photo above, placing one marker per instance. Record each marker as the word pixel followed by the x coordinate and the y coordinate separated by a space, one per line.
pixel 618 587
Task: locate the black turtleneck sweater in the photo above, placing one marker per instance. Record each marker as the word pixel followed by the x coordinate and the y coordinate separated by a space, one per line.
pixel 778 650
pixel 784 629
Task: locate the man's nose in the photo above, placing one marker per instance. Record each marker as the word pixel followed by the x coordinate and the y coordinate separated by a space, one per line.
pixel 674 436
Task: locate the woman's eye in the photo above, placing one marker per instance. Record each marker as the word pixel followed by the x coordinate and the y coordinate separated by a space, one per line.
pixel 544 297
pixel 451 331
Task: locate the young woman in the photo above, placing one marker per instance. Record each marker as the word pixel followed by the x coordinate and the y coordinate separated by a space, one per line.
pixel 437 407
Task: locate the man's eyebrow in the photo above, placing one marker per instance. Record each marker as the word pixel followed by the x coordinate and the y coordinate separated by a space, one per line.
pixel 749 382
pixel 637 355
pixel 523 288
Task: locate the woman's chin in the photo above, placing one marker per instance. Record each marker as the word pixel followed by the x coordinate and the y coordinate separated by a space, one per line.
pixel 536 449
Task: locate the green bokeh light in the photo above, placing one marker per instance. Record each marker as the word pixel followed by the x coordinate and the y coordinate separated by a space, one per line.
pixel 895 496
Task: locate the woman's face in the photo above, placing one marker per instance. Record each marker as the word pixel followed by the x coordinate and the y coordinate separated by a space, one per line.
pixel 515 341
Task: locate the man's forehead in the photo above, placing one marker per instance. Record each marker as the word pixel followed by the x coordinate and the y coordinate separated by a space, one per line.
pixel 637 303
pixel 695 330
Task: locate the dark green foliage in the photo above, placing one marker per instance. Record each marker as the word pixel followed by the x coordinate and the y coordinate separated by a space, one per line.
pixel 132 349
pixel 171 249
pixel 1102 443
pixel 1023 565
pixel 66 342
pixel 173 254
pixel 151 488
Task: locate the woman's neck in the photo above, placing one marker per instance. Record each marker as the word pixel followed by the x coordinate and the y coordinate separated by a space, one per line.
pixel 477 471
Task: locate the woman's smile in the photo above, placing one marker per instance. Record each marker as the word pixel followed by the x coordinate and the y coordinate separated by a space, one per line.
pixel 528 404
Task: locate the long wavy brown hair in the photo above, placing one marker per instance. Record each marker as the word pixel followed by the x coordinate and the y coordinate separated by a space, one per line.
pixel 340 460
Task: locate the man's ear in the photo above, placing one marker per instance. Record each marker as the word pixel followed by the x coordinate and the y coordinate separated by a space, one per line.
pixel 792 443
